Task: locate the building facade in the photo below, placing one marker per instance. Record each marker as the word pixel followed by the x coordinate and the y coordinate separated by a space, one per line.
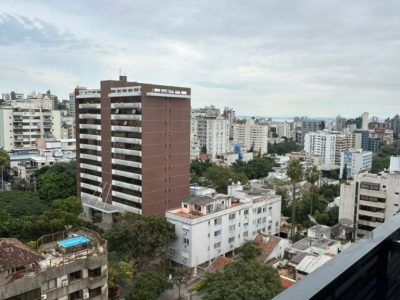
pixel 370 200
pixel 329 145
pixel 251 136
pixel 24 122
pixel 355 161
pixel 133 143
pixel 66 266
pixel 209 225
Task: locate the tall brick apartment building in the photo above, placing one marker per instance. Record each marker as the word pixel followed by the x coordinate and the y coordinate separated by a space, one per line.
pixel 133 147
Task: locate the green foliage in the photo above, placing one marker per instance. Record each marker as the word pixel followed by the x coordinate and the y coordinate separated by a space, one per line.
pixel 19 184
pixel 287 146
pixel 220 177
pixel 3 158
pixel 137 237
pixel 57 182
pixel 20 204
pixel 199 167
pixel 61 213
pixel 295 172
pixel 380 163
pixel 256 168
pixel 250 250
pixel 9 226
pixel 330 191
pixel 149 285
pixel 242 280
pixel 392 149
pixel 312 174
pixel 120 274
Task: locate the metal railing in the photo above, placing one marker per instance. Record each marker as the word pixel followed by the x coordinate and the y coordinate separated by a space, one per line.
pixel 369 269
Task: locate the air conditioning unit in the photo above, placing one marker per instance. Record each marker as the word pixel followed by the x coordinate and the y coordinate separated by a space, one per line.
pixel 85 295
pixel 64 283
pixel 43 297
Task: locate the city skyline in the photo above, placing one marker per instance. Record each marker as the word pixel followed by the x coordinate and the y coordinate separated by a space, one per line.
pixel 312 59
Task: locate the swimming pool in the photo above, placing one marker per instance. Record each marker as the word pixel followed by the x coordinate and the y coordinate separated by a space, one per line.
pixel 74 241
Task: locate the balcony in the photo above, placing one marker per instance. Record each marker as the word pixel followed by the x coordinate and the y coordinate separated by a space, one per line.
pixel 369 269
pixel 90 105
pixel 126 163
pixel 91 147
pixel 126 151
pixel 90 126
pixel 126 117
pixel 89 116
pixel 126 105
pixel 90 137
pixel 127 197
pixel 127 174
pixel 130 186
pixel 126 140
pixel 126 128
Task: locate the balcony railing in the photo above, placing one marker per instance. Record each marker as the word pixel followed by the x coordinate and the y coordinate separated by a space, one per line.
pixel 369 269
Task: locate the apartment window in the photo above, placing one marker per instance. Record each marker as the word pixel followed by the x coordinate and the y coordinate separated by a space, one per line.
pixel 246 212
pixel 95 292
pixel 217 245
pixel 232 227
pixel 264 219
pixel 258 221
pixel 75 275
pixel 232 217
pixel 259 210
pixel 50 284
pixel 185 241
pixel 264 209
pixel 245 234
pixel 231 240
pixel 218 221
pixel 217 233
pixel 95 272
pixel 209 208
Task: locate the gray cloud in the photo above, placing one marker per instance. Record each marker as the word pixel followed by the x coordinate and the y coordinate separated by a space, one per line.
pixel 263 57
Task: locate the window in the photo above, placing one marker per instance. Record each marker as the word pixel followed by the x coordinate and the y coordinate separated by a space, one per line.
pixel 245 234
pixel 259 210
pixel 218 221
pixel 75 275
pixel 264 220
pixel 185 241
pixel 217 245
pixel 231 240
pixel 48 285
pixel 264 209
pixel 232 227
pixel 95 272
pixel 258 221
pixel 217 233
pixel 232 217
pixel 246 212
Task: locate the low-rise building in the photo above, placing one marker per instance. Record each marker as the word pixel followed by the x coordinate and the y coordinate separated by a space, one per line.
pixel 65 266
pixel 210 225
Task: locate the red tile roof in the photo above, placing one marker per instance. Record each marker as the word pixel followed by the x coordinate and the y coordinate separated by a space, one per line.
pixel 267 246
pixel 219 263
pixel 14 253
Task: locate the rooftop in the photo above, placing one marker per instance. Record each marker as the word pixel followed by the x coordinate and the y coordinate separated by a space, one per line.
pixel 310 263
pixel 14 254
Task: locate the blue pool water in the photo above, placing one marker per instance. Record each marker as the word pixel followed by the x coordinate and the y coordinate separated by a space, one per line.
pixel 72 242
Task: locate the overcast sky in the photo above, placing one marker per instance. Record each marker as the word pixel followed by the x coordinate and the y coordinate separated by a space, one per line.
pixel 272 58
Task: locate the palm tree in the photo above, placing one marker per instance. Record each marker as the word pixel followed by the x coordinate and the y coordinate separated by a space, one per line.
pixel 295 172
pixel 312 175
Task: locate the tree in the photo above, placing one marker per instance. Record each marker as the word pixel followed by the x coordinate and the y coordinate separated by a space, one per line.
pixel 204 149
pixel 312 175
pixel 250 250
pixel 57 182
pixel 199 167
pixel 141 238
pixel 242 280
pixel 288 145
pixel 3 165
pixel 344 173
pixel 380 163
pixel 220 177
pixel 19 184
pixel 60 214
pixel 149 285
pixel 256 168
pixel 120 275
pixel 295 172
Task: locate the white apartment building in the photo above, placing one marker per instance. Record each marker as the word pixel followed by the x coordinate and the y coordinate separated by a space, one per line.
pixel 364 124
pixel 370 199
pixel 329 144
pixel 355 161
pixel 8 97
pixel 250 135
pixel 208 225
pixel 210 132
pixel 24 122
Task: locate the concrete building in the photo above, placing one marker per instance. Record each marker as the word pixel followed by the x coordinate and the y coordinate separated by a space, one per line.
pixel 12 96
pixel 251 135
pixel 209 130
pixel 66 266
pixel 370 199
pixel 208 225
pixel 364 118
pixel 24 122
pixel 355 161
pixel 395 123
pixel 340 123
pixel 329 145
pixel 310 126
pixel 133 143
